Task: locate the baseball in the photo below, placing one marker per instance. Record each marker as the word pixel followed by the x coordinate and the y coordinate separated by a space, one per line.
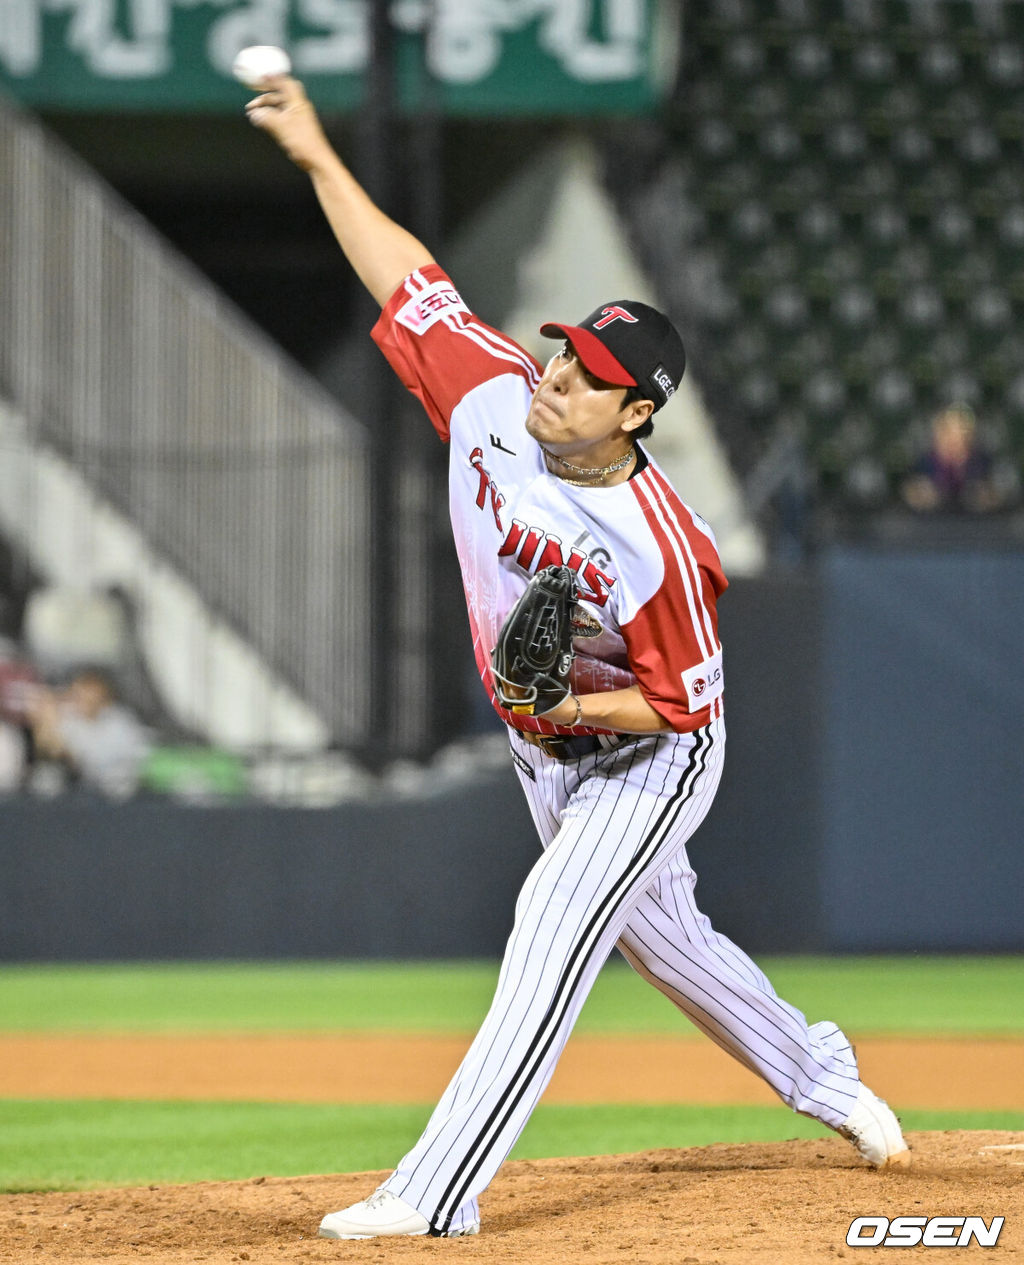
pixel 253 65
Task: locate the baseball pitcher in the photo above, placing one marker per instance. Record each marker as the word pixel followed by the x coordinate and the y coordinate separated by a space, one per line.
pixel 592 592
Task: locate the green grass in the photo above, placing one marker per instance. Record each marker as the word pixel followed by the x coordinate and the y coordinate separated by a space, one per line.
pixel 75 1145
pixel 864 995
pixel 68 1145
pixel 64 1145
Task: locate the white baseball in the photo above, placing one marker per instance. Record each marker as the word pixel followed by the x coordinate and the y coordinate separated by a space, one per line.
pixel 253 65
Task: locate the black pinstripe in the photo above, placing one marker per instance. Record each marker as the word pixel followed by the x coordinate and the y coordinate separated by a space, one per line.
pixel 605 769
pixel 761 1030
pixel 713 1027
pixel 462 1179
pixel 769 1013
pixel 622 782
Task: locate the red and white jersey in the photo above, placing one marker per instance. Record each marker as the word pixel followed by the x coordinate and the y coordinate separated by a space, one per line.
pixel 647 566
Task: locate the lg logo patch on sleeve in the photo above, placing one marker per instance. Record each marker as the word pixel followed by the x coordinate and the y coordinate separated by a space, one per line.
pixel 704 683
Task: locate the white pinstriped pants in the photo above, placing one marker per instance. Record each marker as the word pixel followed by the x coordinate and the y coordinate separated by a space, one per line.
pixel 614 826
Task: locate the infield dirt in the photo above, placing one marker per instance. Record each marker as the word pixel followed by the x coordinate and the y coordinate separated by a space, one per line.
pixel 933 1073
pixel 786 1203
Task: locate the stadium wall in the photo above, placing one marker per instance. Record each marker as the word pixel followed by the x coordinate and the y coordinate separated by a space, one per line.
pixel 871 802
pixel 922 776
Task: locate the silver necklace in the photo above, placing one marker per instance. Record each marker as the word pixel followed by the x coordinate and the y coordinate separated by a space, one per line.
pixel 594 472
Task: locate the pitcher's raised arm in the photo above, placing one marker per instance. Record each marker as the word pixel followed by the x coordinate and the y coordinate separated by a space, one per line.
pixel 381 251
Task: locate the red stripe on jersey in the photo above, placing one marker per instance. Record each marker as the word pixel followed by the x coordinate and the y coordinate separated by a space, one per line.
pixel 670 535
pixel 695 542
pixel 498 345
pixel 677 627
pixel 453 351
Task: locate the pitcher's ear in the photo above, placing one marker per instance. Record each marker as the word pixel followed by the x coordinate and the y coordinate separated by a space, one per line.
pixel 639 411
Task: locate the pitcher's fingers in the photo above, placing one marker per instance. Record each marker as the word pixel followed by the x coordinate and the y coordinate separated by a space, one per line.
pixel 291 89
pixel 261 115
pixel 274 97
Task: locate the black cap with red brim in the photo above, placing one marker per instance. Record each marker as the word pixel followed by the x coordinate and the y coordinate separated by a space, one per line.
pixel 627 343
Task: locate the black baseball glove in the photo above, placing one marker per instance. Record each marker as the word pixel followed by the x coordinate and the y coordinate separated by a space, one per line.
pixel 534 654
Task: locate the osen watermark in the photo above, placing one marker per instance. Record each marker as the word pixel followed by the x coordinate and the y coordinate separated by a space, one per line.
pixel 926 1231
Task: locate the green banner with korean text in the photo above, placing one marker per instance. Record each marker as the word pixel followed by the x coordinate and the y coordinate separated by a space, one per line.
pixel 466 57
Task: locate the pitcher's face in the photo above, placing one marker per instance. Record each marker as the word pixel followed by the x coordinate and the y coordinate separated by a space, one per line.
pixel 572 410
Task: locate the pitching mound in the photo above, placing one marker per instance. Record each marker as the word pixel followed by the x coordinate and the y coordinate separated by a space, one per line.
pixel 786 1203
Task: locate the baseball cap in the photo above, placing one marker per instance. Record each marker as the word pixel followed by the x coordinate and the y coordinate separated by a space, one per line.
pixel 628 344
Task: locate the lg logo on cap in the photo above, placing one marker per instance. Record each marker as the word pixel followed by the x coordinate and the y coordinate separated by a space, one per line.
pixel 660 378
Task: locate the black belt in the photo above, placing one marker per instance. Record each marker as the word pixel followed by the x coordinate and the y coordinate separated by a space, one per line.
pixel 568 746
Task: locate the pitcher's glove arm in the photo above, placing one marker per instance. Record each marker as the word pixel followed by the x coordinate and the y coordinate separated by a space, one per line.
pixel 534 654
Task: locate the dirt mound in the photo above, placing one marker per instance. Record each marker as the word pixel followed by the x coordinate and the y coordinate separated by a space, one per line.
pixel 786 1203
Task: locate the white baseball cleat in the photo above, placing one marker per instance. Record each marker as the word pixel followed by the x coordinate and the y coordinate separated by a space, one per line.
pixel 873 1129
pixel 381 1214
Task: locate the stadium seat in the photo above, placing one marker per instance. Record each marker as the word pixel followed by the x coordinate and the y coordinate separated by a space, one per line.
pixel 837 267
pixel 952 347
pixel 759 392
pixel 855 171
pixel 765 100
pixel 912 146
pixel 780 146
pixel 1003 65
pixel 752 223
pixel 939 68
pixel 922 308
pixel 715 139
pixel 809 58
pixel 729 185
pixel 874 62
pixel 730 14
pixel 743 58
pixel 854 307
pixel 886 231
pixel 950 233
pixel 748 346
pixel 786 308
pixel 990 311
pixel 865 358
pixel 997 365
pixel 895 107
pixel 893 394
pixel 793 189
pixel 824 396
pixel 818 225
pixel 961 385
pixel 846 143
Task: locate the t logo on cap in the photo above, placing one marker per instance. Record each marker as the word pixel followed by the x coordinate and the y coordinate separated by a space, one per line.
pixel 628 344
pixel 609 314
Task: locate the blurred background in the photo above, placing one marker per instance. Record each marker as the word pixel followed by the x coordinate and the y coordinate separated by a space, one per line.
pixel 236 684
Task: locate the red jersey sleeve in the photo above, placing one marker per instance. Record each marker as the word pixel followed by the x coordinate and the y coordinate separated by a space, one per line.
pixel 672 639
pixel 439 349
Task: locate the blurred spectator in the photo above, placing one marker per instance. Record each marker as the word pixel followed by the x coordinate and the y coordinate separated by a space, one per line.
pixel 86 729
pixel 955 473
pixel 18 682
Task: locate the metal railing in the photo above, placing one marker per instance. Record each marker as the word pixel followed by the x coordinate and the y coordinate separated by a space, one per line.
pixel 236 467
